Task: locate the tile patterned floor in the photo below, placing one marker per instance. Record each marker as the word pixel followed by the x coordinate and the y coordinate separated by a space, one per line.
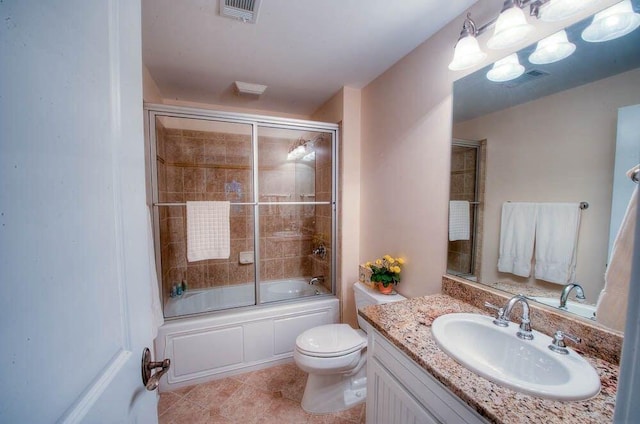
pixel 271 395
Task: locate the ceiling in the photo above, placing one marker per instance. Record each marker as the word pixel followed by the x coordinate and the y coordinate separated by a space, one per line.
pixel 476 96
pixel 303 50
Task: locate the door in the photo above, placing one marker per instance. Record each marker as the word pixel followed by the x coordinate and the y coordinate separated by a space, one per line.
pixel 75 304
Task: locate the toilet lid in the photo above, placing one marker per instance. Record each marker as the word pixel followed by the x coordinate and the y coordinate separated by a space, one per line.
pixel 330 340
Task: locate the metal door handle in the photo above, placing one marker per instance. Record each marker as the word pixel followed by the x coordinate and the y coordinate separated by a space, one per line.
pixel 151 381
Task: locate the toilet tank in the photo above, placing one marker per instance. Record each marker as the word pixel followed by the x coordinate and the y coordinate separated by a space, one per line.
pixel 366 296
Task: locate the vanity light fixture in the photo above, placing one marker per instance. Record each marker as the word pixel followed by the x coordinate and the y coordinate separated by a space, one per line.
pixel 506 69
pixel 303 149
pixel 309 157
pixel 558 10
pixel 297 150
pixel 552 49
pixel 511 26
pixel 614 22
pixel 467 53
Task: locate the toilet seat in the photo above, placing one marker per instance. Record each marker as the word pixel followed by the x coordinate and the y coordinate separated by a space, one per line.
pixel 331 340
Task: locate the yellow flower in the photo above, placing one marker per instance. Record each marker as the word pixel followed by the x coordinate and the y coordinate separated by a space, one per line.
pixel 400 261
pixel 387 257
pixel 396 269
pixel 379 262
pixel 368 264
pixel 391 260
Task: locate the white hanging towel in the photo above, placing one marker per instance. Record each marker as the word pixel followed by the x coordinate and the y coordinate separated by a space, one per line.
pixel 459 221
pixel 611 309
pixel 557 241
pixel 157 317
pixel 517 234
pixel 208 233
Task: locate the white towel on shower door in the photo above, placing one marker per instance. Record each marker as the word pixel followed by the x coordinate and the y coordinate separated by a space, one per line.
pixel 459 220
pixel 611 309
pixel 517 234
pixel 208 232
pixel 557 241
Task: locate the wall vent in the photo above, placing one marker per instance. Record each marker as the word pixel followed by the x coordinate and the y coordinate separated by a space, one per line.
pixel 242 10
pixel 527 77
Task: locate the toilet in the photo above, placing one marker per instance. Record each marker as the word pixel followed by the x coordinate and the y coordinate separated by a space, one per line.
pixel 334 356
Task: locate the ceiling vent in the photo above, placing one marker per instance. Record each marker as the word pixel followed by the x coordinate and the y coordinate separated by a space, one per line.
pixel 242 10
pixel 249 89
pixel 527 77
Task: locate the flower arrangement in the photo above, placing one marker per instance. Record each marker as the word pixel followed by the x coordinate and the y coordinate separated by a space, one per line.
pixel 386 271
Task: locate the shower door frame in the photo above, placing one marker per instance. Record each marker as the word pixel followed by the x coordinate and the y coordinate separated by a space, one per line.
pixel 477 207
pixel 156 110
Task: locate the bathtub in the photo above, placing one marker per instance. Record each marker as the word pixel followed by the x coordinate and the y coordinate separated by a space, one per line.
pixel 211 346
pixel 225 297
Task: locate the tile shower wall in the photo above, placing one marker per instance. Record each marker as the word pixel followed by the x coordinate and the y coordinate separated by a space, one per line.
pixel 463 187
pixel 199 165
pixel 289 233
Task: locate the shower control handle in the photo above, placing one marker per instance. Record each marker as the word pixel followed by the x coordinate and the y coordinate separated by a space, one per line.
pixel 151 381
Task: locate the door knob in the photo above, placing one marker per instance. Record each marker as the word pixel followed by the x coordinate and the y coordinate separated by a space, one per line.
pixel 151 381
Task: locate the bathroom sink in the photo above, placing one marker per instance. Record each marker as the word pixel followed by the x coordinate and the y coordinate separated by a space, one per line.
pixel 526 366
pixel 581 309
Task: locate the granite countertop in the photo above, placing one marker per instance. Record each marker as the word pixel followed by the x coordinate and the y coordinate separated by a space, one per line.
pixel 407 324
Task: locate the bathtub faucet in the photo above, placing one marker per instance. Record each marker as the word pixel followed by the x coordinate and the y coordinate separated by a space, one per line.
pixel 316 280
pixel 320 251
pixel 565 294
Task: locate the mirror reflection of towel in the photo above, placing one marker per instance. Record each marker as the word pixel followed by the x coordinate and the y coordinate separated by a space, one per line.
pixel 517 233
pixel 459 220
pixel 557 226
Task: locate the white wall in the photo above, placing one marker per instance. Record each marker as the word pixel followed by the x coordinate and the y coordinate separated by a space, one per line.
pixel 559 148
pixel 344 108
pixel 150 91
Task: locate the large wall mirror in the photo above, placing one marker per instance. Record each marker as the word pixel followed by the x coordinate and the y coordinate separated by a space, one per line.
pixel 548 136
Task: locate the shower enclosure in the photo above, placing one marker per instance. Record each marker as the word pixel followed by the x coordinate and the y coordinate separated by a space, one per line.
pixel 279 176
pixel 467 183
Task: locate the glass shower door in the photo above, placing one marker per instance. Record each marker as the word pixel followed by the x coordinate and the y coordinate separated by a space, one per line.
pixel 295 194
pixel 203 160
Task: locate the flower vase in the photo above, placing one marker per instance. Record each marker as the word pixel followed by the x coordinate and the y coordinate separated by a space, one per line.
pixel 385 290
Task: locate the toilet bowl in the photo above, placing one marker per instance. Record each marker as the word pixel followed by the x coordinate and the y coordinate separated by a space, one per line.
pixel 334 356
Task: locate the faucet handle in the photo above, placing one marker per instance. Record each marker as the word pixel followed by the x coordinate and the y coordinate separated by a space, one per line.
pixel 500 321
pixel 559 346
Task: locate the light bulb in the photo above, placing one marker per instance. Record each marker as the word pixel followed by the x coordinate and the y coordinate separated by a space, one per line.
pixel 558 10
pixel 467 54
pixel 614 22
pixel 511 29
pixel 552 49
pixel 506 69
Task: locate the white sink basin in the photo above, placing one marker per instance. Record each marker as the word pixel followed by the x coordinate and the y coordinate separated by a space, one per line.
pixel 527 366
pixel 581 309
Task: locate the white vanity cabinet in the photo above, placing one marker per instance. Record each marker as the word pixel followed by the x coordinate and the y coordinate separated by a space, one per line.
pixel 401 392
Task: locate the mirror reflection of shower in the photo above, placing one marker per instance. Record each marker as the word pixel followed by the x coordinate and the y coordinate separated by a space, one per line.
pixel 467 165
pixel 280 211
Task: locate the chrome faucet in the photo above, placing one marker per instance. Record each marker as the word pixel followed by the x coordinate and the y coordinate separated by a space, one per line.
pixel 559 346
pixel 320 251
pixel 525 323
pixel 565 294
pixel 502 318
pixel 316 280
